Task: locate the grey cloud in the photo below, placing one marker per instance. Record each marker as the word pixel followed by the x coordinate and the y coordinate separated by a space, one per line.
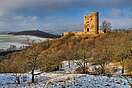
pixel 6 5
pixel 120 23
pixel 117 12
pixel 18 23
pixel 105 3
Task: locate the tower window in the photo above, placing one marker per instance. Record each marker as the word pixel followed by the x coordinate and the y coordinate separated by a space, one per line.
pixel 87 29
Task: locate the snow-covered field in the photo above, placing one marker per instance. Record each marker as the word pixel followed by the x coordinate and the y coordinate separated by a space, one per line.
pixel 18 40
pixel 65 78
pixel 54 80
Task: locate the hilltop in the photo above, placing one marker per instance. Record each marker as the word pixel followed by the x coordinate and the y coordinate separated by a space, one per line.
pixel 37 33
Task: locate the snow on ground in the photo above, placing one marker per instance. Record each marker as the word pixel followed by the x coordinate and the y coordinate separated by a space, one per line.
pixel 6 45
pixel 87 81
pixel 30 38
pixel 18 40
pixel 73 66
pixel 57 80
pixel 64 79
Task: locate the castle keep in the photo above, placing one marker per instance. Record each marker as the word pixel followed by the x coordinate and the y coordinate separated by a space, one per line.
pixel 91 25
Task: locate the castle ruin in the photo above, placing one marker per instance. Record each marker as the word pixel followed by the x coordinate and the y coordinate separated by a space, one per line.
pixel 91 25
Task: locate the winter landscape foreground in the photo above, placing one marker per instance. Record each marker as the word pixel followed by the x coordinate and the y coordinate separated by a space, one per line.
pixel 65 78
pixel 58 80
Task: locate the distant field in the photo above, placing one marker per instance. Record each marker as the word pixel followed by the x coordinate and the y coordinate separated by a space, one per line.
pixel 18 41
pixel 6 37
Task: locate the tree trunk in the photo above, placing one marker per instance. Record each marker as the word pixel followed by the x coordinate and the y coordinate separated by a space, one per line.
pixel 33 76
pixel 123 67
pixel 18 79
pixel 103 69
pixel 84 69
pixel 69 64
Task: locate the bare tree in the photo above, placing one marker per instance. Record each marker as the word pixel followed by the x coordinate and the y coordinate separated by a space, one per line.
pixel 84 56
pixel 17 67
pixel 123 55
pixel 33 59
pixel 102 57
pixel 106 26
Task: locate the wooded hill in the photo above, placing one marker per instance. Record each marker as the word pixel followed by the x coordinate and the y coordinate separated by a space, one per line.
pixel 37 33
pixel 114 47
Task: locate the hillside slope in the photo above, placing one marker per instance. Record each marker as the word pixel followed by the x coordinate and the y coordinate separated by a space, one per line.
pixel 51 53
pixel 47 57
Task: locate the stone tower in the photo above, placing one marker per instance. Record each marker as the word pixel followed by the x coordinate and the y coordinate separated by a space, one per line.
pixel 91 23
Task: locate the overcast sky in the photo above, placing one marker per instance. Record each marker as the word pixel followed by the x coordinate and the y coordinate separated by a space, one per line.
pixel 57 16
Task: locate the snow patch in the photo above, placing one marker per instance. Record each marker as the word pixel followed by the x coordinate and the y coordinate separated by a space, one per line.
pixel 56 80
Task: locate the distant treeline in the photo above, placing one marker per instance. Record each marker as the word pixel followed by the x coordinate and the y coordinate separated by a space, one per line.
pixel 37 33
pixel 4 53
